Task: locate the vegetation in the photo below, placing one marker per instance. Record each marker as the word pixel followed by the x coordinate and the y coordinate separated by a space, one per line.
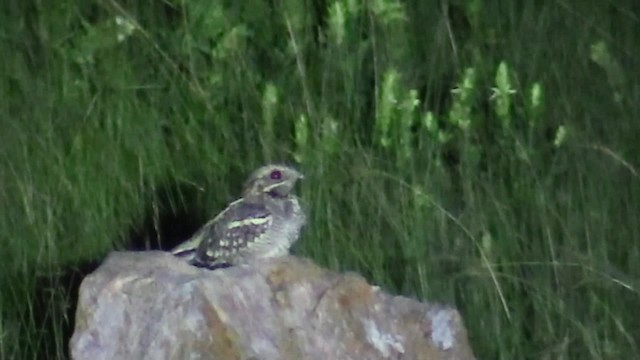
pixel 478 153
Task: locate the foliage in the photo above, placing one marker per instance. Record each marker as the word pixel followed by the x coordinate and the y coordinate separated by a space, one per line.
pixel 470 152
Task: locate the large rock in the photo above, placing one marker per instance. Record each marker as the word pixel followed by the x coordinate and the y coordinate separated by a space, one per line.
pixel 149 305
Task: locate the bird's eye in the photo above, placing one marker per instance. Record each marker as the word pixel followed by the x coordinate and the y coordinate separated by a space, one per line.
pixel 276 175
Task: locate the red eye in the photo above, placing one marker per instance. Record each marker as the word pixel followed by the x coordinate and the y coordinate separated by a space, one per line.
pixel 276 175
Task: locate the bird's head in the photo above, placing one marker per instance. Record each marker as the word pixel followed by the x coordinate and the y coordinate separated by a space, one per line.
pixel 272 180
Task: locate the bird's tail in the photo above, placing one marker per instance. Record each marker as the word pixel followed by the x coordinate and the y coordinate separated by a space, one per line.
pixel 187 250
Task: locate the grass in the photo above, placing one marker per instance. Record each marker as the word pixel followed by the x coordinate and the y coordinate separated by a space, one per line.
pixel 475 153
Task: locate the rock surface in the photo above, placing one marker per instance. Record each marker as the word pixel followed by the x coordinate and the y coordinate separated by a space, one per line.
pixel 149 305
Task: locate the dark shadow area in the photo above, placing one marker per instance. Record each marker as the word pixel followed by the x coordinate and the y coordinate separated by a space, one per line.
pixel 171 218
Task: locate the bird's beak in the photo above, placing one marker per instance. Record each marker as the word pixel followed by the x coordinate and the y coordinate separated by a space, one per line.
pixel 299 175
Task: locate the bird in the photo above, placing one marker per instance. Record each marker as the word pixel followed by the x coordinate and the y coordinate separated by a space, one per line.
pixel 263 223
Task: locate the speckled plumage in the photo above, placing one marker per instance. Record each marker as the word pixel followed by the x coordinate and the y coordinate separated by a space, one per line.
pixel 263 223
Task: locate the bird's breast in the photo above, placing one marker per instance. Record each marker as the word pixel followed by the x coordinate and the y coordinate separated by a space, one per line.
pixel 287 220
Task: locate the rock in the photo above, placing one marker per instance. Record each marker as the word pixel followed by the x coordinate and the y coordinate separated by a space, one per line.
pixel 150 305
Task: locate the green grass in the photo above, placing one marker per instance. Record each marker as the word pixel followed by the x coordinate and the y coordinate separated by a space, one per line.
pixel 514 197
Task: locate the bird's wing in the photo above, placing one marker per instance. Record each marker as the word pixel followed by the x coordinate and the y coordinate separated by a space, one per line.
pixel 232 230
pixel 214 228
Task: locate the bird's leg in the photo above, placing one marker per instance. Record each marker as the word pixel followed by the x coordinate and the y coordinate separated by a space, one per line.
pixel 204 265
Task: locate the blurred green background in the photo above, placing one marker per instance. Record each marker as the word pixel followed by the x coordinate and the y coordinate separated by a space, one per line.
pixel 479 153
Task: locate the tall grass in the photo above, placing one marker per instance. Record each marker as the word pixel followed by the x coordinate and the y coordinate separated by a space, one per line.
pixel 482 154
